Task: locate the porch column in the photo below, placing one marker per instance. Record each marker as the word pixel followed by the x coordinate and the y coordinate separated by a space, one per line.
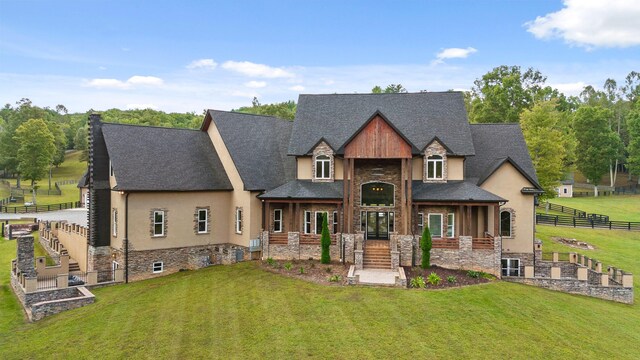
pixel 403 195
pixel 267 217
pixel 461 226
pixel 468 221
pixel 291 217
pixel 409 195
pixel 296 219
pixel 351 185
pixel 496 220
pixel 345 194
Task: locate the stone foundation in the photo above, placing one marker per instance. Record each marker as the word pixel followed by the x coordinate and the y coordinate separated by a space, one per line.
pixel 293 250
pixel 574 286
pixel 175 259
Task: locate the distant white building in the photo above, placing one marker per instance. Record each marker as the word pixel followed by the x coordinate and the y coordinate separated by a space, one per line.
pixel 565 189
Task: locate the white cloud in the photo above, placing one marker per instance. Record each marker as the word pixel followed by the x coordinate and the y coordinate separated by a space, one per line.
pixel 119 84
pixel 141 106
pixel 255 84
pixel 571 88
pixel 297 88
pixel 258 70
pixel 455 53
pixel 244 94
pixel 206 64
pixel 102 68
pixel 591 23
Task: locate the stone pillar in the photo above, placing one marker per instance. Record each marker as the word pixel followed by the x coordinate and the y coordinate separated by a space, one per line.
pixel 497 256
pixel 528 272
pixel 62 281
pixel 537 251
pixel 582 274
pixel 555 272
pixel 92 278
pixel 555 257
pixel 406 250
pixel 349 247
pixel 589 263
pixel 599 267
pixel 293 242
pixel 604 279
pixel 395 260
pixel 359 259
pixel 573 258
pixel 30 285
pixel 25 256
pixel 466 252
pixel 118 275
pixel 627 280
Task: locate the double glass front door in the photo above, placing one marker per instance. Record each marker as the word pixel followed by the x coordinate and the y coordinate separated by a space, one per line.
pixel 377 225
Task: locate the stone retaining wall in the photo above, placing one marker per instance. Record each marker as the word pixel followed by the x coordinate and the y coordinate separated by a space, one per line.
pixel 46 308
pixel 574 286
pixel 293 250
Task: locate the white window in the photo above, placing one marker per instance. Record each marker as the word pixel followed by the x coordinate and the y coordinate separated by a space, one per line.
pixel 434 167
pixel 323 167
pixel 277 220
pixel 510 267
pixel 505 223
pixel 335 222
pixel 435 225
pixel 158 267
pixel 307 222
pixel 158 223
pixel 203 219
pixel 319 220
pixel 420 223
pixel 451 225
pixel 238 221
pixel 114 227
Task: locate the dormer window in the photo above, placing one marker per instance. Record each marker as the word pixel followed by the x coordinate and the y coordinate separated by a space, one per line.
pixel 434 167
pixel 323 167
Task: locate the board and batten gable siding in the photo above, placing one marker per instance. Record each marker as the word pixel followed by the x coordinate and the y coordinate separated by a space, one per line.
pixel 507 182
pixel 180 209
pixel 378 140
pixel 240 198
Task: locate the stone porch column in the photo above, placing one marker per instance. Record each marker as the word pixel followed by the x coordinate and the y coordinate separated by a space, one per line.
pixel 25 256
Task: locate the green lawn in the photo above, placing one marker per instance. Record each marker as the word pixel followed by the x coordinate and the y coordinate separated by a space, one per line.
pixel 241 311
pixel 618 207
pixel 71 169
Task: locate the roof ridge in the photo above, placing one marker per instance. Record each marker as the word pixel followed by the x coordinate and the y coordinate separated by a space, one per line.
pixel 518 124
pixel 149 126
pixel 392 94
pixel 243 113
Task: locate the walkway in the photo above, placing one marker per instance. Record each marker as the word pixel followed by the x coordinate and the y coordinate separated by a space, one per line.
pixel 377 277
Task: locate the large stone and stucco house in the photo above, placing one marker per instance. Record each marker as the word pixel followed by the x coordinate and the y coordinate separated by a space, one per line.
pixel 382 166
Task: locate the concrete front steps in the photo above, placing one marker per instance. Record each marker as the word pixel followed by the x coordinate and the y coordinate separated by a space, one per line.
pixel 377 255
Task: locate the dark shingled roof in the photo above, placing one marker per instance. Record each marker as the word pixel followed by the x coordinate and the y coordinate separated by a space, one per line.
pixel 452 191
pixel 306 189
pixel 146 158
pixel 496 144
pixel 84 180
pixel 258 147
pixel 418 116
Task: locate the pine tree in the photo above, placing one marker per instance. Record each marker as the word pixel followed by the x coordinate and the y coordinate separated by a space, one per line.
pixel 325 241
pixel 425 245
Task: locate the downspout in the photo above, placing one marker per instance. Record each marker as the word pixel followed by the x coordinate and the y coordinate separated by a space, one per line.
pixel 126 238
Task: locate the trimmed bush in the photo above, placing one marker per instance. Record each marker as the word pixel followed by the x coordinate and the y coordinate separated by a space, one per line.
pixel 418 282
pixel 325 241
pixel 425 246
pixel 434 279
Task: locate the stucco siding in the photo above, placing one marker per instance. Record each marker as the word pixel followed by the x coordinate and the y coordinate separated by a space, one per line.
pixel 455 168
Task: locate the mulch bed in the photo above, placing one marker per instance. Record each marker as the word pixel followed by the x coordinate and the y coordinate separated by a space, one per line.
pixel 461 277
pixel 313 270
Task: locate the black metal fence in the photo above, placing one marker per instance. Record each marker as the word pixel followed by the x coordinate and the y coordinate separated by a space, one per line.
pixel 575 212
pixel 38 208
pixel 577 222
pixel 47 282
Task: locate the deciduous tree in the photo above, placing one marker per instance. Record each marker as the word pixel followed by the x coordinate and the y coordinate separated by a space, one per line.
pixel 36 148
pixel 633 149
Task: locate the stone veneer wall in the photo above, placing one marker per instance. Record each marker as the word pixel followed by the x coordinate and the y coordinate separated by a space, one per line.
pixel 462 258
pixel 46 308
pixel 294 251
pixel 176 259
pixel 387 171
pixel 574 286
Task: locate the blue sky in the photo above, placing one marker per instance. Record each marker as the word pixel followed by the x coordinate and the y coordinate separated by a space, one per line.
pixel 192 55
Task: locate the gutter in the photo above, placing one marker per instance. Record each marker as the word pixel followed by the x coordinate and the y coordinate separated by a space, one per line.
pixel 126 238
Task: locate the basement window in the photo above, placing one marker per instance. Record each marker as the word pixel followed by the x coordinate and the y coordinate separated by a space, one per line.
pixel 158 267
pixel 510 267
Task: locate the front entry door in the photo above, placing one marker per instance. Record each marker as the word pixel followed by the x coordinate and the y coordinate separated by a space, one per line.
pixel 377 225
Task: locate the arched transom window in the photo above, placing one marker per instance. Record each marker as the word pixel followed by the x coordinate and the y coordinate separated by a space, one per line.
pixel 323 167
pixel 377 194
pixel 434 167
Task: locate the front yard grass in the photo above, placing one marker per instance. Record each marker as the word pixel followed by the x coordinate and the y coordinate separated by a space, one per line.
pixel 241 311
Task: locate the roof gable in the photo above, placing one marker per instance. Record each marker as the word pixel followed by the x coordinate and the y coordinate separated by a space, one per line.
pixel 419 117
pixel 377 138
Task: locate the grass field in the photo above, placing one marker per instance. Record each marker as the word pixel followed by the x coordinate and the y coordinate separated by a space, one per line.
pixel 241 311
pixel 71 169
pixel 618 207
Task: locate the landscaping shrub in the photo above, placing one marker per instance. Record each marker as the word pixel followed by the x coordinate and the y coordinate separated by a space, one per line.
pixel 301 270
pixel 335 278
pixel 325 241
pixel 434 279
pixel 473 274
pixel 328 269
pixel 452 279
pixel 271 262
pixel 418 282
pixel 288 266
pixel 425 246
